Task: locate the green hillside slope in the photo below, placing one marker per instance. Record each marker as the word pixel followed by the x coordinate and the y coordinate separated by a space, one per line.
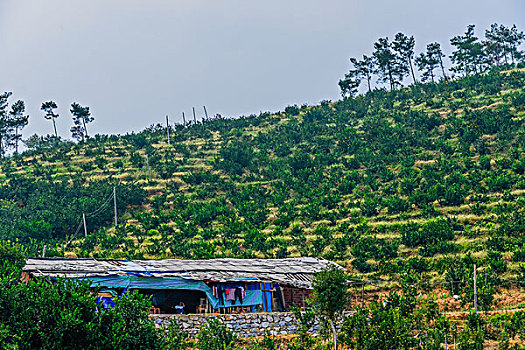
pixel 417 179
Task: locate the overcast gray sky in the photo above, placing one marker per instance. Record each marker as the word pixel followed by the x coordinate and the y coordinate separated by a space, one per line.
pixel 135 61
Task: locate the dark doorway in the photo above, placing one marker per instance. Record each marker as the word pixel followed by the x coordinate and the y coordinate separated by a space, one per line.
pixel 166 300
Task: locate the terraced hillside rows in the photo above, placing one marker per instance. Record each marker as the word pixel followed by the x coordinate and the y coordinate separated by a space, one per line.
pixel 421 181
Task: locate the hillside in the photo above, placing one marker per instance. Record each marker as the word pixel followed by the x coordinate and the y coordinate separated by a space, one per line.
pixel 416 182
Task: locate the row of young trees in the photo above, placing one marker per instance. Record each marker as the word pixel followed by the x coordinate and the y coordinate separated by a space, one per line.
pixel 222 190
pixel 392 61
pixel 308 164
pixel 14 119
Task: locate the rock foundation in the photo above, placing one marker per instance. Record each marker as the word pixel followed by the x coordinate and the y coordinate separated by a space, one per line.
pixel 245 325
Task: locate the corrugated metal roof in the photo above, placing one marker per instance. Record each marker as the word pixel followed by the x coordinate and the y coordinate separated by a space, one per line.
pixel 298 272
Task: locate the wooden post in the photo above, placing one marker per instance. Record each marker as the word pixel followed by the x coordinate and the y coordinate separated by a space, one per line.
pixel 44 251
pixel 362 292
pixel 205 112
pixel 183 119
pixel 194 117
pixel 115 204
pixel 85 226
pixel 475 292
pixel 168 128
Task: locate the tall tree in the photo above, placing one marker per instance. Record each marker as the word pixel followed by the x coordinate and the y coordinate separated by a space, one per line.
pixel 501 43
pixel 18 121
pixel 77 132
pixel 390 67
pixel 404 46
pixel 514 40
pixel 6 126
pixel 349 84
pixel 81 117
pixel 495 44
pixel 469 56
pixel 49 107
pixel 434 50
pixel 430 60
pixel 364 69
pixel 426 64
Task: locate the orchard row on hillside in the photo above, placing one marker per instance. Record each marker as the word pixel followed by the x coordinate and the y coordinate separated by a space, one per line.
pixel 417 180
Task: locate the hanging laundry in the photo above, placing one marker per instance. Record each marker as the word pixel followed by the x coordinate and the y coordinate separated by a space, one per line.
pixel 230 294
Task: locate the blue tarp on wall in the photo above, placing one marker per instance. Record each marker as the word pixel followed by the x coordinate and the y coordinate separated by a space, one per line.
pixel 138 282
pixel 267 306
pixel 253 297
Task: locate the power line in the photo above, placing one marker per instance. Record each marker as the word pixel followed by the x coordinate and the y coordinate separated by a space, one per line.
pixel 96 211
pixel 92 214
pixel 74 234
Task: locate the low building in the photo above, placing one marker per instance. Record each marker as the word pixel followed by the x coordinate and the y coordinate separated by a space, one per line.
pixel 194 286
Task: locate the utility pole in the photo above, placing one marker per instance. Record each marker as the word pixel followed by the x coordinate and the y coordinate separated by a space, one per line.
pixel 205 113
pixel 168 129
pixel 183 119
pixel 115 204
pixel 194 117
pixel 85 226
pixel 475 292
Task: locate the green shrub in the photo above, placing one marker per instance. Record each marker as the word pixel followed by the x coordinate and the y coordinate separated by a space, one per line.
pixel 306 319
pixel 215 336
pixel 64 315
pixel 100 162
pixel 175 338
pixel 399 321
pixel 361 265
pixel 236 158
pixel 292 110
pixel 432 232
pixel 396 205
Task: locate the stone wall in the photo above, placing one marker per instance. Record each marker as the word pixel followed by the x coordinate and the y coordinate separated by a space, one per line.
pixel 245 325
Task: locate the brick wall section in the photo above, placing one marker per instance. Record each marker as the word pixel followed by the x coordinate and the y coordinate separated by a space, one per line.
pixel 297 296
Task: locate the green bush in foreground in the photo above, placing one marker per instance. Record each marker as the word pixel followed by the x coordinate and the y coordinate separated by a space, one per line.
pixel 330 296
pixel 215 336
pixel 394 322
pixel 62 314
